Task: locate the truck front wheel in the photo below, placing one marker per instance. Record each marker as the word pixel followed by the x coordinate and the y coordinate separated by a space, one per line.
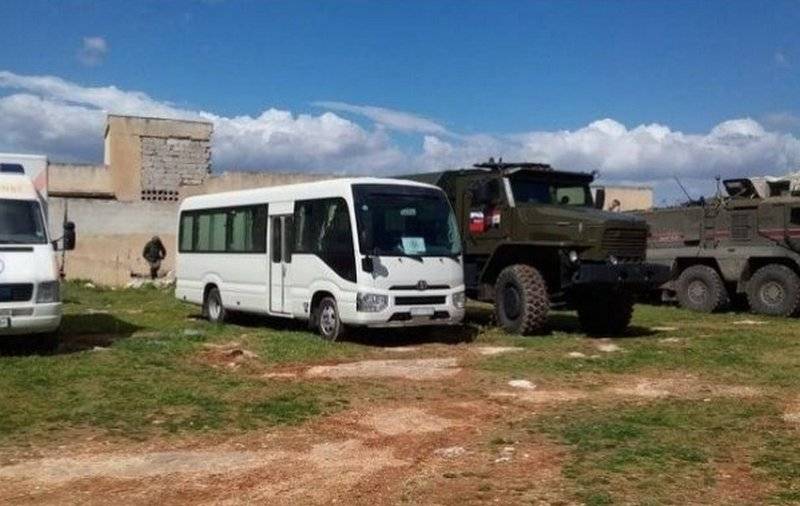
pixel 521 301
pixel 774 290
pixel 701 289
pixel 605 312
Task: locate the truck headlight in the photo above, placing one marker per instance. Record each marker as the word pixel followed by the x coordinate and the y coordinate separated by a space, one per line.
pixel 48 292
pixel 371 302
pixel 459 299
pixel 573 256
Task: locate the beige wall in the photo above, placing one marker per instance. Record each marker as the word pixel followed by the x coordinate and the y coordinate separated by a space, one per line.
pixel 111 236
pixel 231 181
pixel 632 198
pixel 80 180
pixel 124 152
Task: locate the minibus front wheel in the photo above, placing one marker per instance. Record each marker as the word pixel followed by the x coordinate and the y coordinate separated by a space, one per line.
pixel 328 323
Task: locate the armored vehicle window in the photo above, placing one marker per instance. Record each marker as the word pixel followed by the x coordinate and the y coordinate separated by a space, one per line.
pixel 533 191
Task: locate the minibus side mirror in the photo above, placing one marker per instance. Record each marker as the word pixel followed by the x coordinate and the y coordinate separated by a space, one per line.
pixel 367 264
pixel 68 241
pixel 600 198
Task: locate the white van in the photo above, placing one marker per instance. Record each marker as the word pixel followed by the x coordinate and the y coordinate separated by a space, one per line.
pixel 362 252
pixel 30 301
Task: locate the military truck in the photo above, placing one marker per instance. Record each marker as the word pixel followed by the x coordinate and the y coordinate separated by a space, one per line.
pixel 533 239
pixel 744 241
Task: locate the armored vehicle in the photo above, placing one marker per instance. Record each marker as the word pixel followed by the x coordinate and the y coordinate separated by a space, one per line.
pixel 533 240
pixel 745 241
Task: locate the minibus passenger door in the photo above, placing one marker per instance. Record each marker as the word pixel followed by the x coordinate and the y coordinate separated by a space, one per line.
pixel 279 230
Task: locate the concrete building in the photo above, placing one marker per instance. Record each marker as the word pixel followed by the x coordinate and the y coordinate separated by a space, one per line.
pixel 149 165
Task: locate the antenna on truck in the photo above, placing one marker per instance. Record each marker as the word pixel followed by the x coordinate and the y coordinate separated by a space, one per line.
pixel 684 189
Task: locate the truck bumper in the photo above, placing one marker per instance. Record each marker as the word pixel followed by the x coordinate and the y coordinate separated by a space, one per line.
pixel 634 276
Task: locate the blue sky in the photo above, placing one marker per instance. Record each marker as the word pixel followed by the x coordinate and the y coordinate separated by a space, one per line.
pixel 486 72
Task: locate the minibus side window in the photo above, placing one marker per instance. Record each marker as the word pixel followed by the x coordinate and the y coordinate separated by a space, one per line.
pixel 187 233
pixel 322 228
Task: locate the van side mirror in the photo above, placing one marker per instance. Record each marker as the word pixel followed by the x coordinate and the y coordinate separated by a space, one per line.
pixel 367 264
pixel 68 241
pixel 600 198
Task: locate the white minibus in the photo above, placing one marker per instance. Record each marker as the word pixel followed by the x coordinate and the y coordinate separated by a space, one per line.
pixel 359 251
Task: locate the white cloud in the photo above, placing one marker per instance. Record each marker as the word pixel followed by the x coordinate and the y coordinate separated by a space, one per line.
pixel 390 118
pixel 93 51
pixel 65 120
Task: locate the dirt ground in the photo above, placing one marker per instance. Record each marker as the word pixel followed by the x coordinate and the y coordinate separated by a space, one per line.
pixel 423 449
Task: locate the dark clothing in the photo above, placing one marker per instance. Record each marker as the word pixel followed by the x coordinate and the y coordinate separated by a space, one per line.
pixel 154 251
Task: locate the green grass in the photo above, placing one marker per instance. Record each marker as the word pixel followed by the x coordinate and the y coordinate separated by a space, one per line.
pixel 147 378
pixel 128 365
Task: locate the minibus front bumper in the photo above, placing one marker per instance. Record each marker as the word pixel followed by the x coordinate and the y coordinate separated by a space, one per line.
pixel 414 309
pixel 29 318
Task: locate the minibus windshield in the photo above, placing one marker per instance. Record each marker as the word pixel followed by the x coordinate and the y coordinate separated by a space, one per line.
pixel 21 222
pixel 396 220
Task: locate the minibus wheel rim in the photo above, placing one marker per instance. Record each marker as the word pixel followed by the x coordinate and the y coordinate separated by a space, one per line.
pixel 214 308
pixel 327 319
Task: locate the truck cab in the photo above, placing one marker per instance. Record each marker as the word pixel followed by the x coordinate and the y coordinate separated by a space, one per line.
pixel 534 239
pixel 30 301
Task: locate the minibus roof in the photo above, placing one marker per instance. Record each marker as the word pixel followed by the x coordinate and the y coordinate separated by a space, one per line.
pixel 299 191
pixel 17 187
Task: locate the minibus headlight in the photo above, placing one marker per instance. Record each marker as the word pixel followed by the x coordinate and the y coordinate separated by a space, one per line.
pixel 371 302
pixel 48 292
pixel 459 300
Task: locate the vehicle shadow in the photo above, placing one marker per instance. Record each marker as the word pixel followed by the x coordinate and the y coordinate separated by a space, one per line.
pixel 79 332
pixel 483 315
pixel 383 337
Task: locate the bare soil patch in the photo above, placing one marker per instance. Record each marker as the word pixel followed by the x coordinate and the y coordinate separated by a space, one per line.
pixel 393 422
pixel 231 355
pixel 412 369
pixel 495 350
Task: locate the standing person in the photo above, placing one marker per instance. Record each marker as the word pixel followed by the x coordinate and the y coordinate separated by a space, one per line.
pixel 154 252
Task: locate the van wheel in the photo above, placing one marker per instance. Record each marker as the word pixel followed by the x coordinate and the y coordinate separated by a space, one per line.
pixel 213 308
pixel 521 300
pixel 48 343
pixel 774 290
pixel 328 323
pixel 605 312
pixel 700 288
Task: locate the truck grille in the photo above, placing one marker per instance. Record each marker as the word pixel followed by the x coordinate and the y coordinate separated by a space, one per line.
pixel 419 300
pixel 16 292
pixel 625 243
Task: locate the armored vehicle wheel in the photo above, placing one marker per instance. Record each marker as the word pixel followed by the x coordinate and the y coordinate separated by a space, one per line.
pixel 701 289
pixel 774 290
pixel 521 300
pixel 605 312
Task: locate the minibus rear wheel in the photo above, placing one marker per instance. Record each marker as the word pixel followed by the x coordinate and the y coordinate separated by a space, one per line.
pixel 213 308
pixel 329 325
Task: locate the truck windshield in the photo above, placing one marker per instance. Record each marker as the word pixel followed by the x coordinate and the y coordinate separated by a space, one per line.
pixel 533 191
pixel 410 221
pixel 21 222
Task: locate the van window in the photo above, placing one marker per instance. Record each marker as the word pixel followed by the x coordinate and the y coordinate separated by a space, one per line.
pixel 21 222
pixel 322 228
pixel 794 217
